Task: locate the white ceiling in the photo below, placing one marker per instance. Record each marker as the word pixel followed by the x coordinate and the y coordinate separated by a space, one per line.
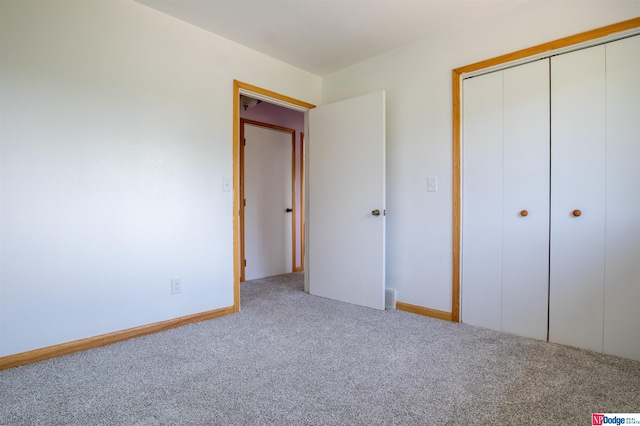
pixel 323 36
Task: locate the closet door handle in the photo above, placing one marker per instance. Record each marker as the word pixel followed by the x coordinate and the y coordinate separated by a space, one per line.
pixel 524 213
pixel 576 213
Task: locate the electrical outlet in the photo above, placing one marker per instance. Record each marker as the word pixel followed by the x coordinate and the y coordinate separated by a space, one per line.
pixel 176 285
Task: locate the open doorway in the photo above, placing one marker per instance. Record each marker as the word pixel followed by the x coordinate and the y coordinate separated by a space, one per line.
pixel 345 196
pixel 270 196
pixel 288 108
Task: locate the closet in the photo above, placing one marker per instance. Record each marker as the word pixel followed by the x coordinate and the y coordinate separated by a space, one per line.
pixel 550 199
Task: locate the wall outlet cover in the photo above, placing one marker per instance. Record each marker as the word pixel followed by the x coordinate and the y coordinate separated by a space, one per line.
pixel 176 285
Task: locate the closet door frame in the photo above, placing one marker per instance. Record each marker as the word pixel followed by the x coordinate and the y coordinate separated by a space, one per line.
pixel 581 40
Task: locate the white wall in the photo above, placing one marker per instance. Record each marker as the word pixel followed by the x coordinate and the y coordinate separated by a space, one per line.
pixel 116 130
pixel 417 80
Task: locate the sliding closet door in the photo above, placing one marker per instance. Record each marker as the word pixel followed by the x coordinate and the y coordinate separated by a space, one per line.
pixel 525 240
pixel 578 179
pixel 506 200
pixel 622 284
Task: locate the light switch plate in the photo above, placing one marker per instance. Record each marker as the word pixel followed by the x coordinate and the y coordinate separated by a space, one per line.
pixel 226 184
pixel 432 184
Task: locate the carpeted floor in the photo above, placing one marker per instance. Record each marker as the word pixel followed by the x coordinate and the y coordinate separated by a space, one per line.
pixel 293 359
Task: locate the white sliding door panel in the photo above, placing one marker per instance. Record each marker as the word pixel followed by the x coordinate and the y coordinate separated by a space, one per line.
pixel 622 284
pixel 482 201
pixel 346 178
pixel 578 177
pixel 268 191
pixel 525 279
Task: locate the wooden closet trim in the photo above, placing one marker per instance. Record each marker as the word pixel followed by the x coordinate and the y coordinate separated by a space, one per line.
pixel 456 97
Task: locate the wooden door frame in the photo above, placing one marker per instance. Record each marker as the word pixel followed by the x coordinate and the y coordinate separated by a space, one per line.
pixel 270 96
pixel 535 52
pixel 302 210
pixel 241 140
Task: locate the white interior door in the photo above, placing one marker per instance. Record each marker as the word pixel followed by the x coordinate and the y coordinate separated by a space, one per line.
pixel 578 180
pixel 346 185
pixel 268 193
pixel 622 290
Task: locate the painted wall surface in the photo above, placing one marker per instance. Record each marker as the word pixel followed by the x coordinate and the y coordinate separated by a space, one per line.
pixel 291 119
pixel 116 131
pixel 417 80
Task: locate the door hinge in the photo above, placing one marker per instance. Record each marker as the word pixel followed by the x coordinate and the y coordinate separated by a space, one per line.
pixel 244 141
pixel 244 202
pixel 245 262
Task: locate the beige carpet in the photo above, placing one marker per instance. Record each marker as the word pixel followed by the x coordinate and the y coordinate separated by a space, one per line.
pixel 293 359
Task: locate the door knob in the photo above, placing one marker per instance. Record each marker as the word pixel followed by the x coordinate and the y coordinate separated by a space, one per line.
pixel 376 212
pixel 289 210
pixel 524 213
pixel 576 213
